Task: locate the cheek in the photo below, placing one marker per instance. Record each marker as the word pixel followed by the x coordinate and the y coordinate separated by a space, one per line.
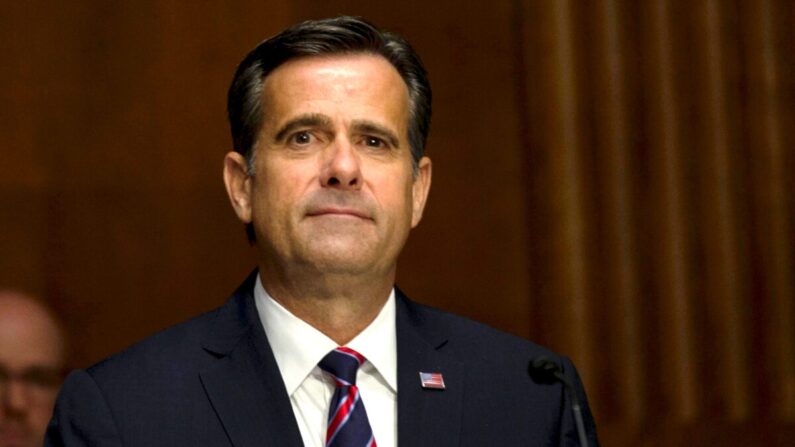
pixel 41 413
pixel 282 187
pixel 395 196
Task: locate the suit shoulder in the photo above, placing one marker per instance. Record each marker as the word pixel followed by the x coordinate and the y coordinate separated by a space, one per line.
pixel 476 338
pixel 173 345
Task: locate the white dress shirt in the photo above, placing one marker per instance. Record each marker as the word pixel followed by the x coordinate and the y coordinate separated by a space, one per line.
pixel 298 347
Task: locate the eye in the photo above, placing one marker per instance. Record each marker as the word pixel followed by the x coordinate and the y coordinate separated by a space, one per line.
pixel 41 378
pixel 301 138
pixel 374 142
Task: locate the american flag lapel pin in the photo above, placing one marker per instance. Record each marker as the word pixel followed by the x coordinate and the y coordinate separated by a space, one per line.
pixel 432 380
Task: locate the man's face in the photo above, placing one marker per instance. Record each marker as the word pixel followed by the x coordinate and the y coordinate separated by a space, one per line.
pixel 333 188
pixel 30 365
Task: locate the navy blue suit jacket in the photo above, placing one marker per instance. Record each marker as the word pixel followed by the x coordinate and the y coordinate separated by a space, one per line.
pixel 213 381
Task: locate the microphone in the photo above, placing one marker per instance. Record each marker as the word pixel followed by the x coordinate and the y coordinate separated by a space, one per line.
pixel 545 371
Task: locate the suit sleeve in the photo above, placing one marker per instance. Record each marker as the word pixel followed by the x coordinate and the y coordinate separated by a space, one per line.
pixel 569 436
pixel 82 416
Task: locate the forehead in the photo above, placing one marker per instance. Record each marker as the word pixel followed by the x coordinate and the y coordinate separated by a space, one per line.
pixel 354 80
pixel 28 335
pixel 336 67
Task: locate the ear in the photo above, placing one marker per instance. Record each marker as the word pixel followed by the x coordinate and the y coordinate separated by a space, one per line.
pixel 422 184
pixel 238 185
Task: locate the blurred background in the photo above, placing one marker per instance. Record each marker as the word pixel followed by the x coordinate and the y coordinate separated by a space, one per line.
pixel 612 179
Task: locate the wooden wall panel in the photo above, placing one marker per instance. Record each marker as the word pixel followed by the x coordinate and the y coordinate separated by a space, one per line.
pixel 772 164
pixel 677 123
pixel 568 305
pixel 115 140
pixel 613 140
pixel 672 268
pixel 725 273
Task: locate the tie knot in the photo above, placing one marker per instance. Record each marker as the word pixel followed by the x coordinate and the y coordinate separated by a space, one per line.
pixel 342 363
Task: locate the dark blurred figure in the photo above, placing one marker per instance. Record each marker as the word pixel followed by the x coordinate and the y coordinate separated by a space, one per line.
pixel 31 366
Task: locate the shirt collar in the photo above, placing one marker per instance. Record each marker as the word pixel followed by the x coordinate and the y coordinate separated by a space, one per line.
pixel 298 347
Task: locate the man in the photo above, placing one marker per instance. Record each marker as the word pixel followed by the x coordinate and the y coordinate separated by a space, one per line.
pixel 329 121
pixel 31 363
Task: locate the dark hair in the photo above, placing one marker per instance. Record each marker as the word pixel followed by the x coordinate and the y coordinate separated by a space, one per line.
pixel 340 35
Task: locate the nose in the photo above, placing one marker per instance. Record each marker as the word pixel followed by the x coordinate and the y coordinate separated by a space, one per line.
pixel 341 167
pixel 15 398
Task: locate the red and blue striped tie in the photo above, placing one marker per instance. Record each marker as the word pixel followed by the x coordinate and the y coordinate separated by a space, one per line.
pixel 347 420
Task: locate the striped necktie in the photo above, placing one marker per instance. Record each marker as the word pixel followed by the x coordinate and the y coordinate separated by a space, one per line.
pixel 347 420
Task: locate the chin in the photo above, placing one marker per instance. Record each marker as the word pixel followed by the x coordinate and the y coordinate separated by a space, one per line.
pixel 341 259
pixel 342 265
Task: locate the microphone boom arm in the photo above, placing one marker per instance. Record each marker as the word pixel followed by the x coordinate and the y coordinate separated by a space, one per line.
pixel 545 370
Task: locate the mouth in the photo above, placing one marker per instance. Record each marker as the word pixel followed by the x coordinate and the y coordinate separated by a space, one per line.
pixel 339 212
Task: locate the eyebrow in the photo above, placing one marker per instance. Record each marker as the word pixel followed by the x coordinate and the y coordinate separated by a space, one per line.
pixel 370 127
pixel 308 120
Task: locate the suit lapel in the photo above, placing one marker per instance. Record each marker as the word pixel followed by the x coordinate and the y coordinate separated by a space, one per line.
pixel 247 392
pixel 244 384
pixel 426 417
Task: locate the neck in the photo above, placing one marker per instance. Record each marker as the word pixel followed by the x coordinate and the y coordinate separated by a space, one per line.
pixel 338 305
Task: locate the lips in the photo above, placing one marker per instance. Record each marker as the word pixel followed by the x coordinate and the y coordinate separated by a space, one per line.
pixel 332 203
pixel 339 211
